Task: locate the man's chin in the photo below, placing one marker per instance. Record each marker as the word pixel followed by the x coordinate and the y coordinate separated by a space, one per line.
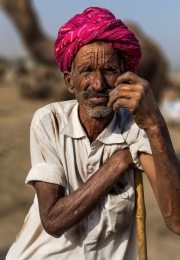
pixel 98 111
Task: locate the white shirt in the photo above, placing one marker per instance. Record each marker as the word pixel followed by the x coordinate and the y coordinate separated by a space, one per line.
pixel 62 154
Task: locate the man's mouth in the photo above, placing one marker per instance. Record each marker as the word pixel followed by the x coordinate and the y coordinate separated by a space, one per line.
pixel 99 99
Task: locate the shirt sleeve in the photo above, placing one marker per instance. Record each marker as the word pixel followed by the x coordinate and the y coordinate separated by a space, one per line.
pixel 141 145
pixel 46 164
pixel 136 139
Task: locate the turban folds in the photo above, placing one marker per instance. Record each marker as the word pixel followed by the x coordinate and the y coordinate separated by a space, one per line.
pixel 96 24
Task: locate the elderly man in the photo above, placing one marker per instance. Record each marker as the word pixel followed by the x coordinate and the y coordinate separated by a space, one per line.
pixel 84 151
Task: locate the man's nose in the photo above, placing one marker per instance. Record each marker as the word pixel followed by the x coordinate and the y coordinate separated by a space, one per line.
pixel 99 81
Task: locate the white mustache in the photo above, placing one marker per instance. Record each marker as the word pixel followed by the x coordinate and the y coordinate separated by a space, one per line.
pixel 93 93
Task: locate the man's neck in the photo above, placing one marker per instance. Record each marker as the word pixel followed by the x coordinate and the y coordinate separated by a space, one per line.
pixel 93 125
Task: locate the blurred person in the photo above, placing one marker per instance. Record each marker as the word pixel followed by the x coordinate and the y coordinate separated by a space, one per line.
pixel 170 107
pixel 84 151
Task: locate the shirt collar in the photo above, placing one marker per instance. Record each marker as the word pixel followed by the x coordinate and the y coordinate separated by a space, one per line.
pixel 111 134
pixel 74 128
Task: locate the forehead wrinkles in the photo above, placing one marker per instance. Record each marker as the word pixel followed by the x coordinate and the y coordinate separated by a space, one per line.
pixel 95 57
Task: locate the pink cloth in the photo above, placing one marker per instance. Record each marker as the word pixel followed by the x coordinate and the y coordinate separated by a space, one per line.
pixel 93 24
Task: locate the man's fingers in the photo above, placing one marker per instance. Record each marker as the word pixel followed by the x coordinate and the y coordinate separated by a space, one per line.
pixel 119 103
pixel 128 78
pixel 118 94
pixel 125 92
pixel 124 103
pixel 126 87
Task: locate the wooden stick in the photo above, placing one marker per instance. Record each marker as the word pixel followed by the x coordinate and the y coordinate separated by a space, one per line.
pixel 140 215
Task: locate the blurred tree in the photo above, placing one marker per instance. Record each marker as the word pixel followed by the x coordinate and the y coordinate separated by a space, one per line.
pixel 25 19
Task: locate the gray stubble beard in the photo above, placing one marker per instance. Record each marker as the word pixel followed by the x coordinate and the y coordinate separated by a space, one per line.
pixel 100 111
pixel 93 111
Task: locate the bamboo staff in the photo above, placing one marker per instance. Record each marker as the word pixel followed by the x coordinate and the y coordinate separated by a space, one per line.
pixel 140 216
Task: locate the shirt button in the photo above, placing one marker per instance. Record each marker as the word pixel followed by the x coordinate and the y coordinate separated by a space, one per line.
pixel 90 169
pixel 92 147
pixel 125 195
pixel 92 217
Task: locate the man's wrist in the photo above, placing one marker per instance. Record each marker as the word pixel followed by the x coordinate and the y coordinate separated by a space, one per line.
pixel 156 129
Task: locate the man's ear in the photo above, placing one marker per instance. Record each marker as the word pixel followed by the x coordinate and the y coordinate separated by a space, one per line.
pixel 68 81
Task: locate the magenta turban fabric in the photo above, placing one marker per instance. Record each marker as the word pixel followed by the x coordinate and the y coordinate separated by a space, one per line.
pixel 93 24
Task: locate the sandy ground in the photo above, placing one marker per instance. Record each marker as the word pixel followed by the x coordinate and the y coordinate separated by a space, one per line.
pixel 15 117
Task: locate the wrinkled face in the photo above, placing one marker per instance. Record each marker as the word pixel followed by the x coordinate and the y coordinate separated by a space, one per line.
pixel 94 73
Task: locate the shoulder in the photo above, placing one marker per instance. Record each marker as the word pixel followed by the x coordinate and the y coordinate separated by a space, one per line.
pixel 57 112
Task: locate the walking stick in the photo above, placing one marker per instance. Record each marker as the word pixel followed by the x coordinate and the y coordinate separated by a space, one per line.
pixel 140 215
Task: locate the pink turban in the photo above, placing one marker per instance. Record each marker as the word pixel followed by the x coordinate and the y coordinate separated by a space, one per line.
pixel 96 24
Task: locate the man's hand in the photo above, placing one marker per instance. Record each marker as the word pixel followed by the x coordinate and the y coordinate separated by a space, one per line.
pixel 134 93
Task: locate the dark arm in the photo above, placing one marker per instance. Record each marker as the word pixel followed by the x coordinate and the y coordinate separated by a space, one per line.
pixel 167 168
pixel 59 213
pixel 163 169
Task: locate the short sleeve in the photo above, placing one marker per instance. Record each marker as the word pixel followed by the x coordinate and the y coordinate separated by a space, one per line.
pixel 142 145
pixel 47 173
pixel 136 139
pixel 46 164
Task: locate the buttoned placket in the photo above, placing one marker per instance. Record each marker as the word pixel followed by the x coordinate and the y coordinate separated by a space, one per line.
pixel 91 169
pixel 97 218
pixel 92 162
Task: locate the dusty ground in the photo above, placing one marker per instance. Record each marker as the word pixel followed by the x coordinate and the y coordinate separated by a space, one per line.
pixel 15 117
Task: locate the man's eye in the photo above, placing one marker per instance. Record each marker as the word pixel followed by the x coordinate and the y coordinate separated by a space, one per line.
pixel 86 70
pixel 110 69
pixel 89 69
